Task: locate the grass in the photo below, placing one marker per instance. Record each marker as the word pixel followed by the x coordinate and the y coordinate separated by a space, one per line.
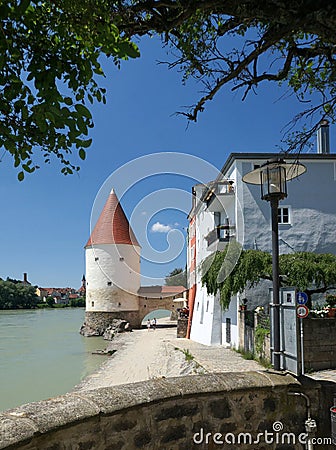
pixel 188 356
pixel 252 356
pixel 198 368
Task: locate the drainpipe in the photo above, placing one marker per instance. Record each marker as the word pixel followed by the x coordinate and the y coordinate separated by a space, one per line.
pixel 310 424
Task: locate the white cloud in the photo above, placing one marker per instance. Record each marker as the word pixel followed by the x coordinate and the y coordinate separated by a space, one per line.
pixel 144 213
pixel 176 224
pixel 160 228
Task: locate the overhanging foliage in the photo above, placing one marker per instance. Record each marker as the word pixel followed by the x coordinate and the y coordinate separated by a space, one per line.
pixel 49 66
pixel 309 272
pixel 49 62
pixel 241 44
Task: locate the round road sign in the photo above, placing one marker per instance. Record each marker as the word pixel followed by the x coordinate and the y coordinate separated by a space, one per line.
pixel 302 311
pixel 301 298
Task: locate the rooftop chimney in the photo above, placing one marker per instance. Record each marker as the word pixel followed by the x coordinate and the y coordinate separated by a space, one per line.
pixel 323 145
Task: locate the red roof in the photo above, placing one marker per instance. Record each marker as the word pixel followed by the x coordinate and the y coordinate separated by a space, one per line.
pixel 173 289
pixel 112 226
pixel 168 290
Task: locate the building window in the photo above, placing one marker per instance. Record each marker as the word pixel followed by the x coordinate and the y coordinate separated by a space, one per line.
pixel 109 283
pixel 207 307
pixel 96 258
pixel 255 166
pixel 284 215
pixel 217 217
pixel 121 259
pixel 92 304
pixel 197 307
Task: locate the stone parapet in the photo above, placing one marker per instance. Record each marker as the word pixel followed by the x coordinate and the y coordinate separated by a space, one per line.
pixel 162 413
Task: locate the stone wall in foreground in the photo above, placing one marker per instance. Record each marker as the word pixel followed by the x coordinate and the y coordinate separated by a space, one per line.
pixel 319 343
pixel 169 414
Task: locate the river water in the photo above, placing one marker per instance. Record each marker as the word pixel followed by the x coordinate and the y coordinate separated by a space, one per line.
pixel 43 355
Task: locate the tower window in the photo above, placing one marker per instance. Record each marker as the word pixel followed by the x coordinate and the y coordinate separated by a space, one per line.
pixel 109 283
pixel 92 304
pixel 121 259
pixel 96 258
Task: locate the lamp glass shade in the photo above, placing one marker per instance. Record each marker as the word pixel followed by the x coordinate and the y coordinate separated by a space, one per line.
pixel 273 182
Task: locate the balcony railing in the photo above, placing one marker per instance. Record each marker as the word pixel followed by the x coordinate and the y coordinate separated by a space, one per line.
pixel 221 233
pixel 218 194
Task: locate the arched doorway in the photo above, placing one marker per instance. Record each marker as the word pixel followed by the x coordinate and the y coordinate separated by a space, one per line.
pixel 162 316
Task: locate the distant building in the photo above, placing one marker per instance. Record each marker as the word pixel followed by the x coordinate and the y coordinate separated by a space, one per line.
pixel 82 289
pixel 25 280
pixel 61 296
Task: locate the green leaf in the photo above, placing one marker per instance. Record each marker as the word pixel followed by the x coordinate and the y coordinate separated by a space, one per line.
pixel 81 109
pixel 68 101
pixel 82 154
pixel 20 176
pixel 82 127
pixel 84 143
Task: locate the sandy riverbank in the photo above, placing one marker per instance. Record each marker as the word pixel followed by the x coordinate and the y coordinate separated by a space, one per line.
pixel 142 355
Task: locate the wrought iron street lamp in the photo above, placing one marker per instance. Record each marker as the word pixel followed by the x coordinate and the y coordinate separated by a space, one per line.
pixel 272 177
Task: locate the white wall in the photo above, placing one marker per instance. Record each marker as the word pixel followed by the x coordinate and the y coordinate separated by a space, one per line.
pixel 206 322
pixel 116 264
pixel 207 316
pixel 313 211
pixel 232 314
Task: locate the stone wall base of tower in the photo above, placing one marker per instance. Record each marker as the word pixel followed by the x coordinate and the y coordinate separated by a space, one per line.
pixel 96 322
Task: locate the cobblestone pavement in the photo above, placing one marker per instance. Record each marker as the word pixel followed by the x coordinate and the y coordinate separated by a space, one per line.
pixel 217 358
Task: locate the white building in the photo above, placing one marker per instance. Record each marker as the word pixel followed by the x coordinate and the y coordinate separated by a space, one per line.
pixel 229 209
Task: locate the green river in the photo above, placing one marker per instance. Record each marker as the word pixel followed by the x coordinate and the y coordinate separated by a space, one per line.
pixel 43 355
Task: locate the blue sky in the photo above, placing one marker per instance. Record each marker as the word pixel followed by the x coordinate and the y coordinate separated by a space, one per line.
pixel 45 220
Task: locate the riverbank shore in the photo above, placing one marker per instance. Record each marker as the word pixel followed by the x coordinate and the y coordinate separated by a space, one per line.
pixel 142 355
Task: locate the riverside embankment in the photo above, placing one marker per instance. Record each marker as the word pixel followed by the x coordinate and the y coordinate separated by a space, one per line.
pixel 143 355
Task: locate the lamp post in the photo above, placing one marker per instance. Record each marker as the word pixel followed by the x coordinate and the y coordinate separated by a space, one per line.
pixel 272 177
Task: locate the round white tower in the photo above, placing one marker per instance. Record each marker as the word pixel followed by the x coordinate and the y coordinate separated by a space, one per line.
pixel 112 268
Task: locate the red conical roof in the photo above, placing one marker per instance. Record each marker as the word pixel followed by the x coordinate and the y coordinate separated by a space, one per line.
pixel 112 226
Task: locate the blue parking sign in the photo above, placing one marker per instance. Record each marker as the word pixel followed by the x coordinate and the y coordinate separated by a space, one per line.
pixel 301 298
